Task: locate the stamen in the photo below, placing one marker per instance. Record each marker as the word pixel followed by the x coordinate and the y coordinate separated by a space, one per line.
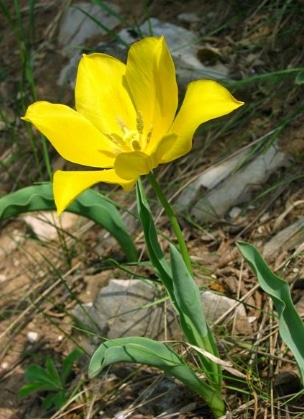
pixel 149 135
pixel 131 139
pixel 117 140
pixel 139 122
pixel 122 124
pixel 135 145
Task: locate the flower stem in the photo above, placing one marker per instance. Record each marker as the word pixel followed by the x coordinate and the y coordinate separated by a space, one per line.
pixel 172 218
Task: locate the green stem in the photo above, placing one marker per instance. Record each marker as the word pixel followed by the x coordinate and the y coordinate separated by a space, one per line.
pixel 174 223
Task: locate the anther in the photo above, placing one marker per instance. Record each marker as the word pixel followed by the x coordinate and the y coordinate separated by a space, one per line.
pixel 135 145
pixel 139 122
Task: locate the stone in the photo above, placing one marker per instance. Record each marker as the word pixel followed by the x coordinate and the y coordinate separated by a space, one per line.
pixel 222 187
pixel 125 308
pixel 288 238
pixel 80 22
pixel 189 17
pixel 235 212
pixel 32 337
pixel 182 44
pixel 45 224
pixel 216 306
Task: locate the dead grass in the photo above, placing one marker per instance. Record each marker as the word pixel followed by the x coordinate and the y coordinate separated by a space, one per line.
pixel 259 42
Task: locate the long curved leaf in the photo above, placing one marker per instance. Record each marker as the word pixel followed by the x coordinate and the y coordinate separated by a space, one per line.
pixel 89 204
pixel 192 317
pixel 156 254
pixel 291 327
pixel 156 354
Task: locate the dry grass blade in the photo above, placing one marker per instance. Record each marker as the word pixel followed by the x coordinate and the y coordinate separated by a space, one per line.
pixel 261 46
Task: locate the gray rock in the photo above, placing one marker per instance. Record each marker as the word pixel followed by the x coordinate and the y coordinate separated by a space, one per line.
pixel 125 308
pixel 46 225
pixel 219 309
pixel 288 238
pixel 189 17
pixel 181 42
pixel 208 180
pixel 68 73
pixel 211 196
pixel 80 22
pixel 123 304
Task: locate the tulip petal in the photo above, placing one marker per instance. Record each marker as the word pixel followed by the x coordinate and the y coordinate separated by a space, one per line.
pixel 204 100
pixel 67 185
pixel 101 94
pixel 74 137
pixel 167 143
pixel 134 164
pixel 151 79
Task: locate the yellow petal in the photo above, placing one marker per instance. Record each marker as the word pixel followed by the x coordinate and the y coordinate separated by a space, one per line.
pixel 167 143
pixel 101 95
pixel 204 100
pixel 151 79
pixel 73 136
pixel 131 165
pixel 68 185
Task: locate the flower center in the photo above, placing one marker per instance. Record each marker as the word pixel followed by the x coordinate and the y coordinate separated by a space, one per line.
pixel 131 139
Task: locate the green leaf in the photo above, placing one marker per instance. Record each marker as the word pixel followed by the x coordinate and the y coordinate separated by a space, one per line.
pixel 59 399
pixel 192 317
pixel 55 399
pixel 89 204
pixel 291 327
pixel 300 78
pixel 155 354
pixel 52 372
pixel 36 374
pixel 179 285
pixel 68 362
pixel 187 294
pixel 30 388
pixel 156 255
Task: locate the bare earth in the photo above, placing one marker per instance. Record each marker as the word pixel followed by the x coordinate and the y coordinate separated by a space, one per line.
pixel 39 283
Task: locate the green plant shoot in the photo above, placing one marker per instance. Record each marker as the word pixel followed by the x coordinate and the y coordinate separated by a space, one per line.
pixel 291 327
pixel 50 380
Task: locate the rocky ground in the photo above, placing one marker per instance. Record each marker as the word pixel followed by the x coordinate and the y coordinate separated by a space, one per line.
pixel 242 181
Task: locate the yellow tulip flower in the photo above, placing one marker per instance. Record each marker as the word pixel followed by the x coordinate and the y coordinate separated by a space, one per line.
pixel 125 123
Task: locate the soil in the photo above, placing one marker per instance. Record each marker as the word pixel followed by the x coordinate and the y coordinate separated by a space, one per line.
pixel 40 286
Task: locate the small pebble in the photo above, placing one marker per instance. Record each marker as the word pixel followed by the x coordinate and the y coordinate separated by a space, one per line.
pixel 265 217
pixel 32 337
pixel 188 17
pixel 4 365
pixel 235 212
